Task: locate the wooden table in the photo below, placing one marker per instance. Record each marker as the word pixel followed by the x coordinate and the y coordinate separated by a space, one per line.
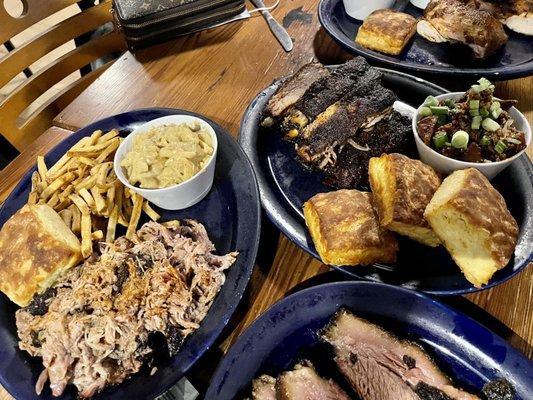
pixel 216 73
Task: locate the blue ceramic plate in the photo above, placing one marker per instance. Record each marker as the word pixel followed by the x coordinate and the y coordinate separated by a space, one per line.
pixel 285 185
pixel 231 215
pixel 514 60
pixel 465 350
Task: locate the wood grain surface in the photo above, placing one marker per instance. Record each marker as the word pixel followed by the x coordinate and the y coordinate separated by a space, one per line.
pixel 216 73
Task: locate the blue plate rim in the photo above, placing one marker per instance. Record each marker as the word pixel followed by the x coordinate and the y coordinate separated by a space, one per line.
pixel 271 204
pixel 238 294
pixel 331 287
pixel 500 73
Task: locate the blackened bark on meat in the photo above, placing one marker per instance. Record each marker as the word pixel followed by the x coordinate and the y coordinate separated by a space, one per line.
pixel 499 389
pixel 35 339
pixel 122 273
pixel 174 340
pixel 353 358
pixel 40 302
pixel 427 392
pixel 409 361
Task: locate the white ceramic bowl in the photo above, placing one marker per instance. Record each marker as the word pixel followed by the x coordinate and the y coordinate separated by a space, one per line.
pixel 420 3
pixel 185 194
pixel 360 9
pixel 447 165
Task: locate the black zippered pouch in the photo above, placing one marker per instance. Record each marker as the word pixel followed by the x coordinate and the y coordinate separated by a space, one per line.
pixel 148 22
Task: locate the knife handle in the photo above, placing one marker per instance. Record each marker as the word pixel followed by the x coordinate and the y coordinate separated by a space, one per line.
pixel 278 31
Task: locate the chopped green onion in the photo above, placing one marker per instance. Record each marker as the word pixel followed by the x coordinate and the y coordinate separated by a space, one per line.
pixel 495 105
pixel 439 110
pixel 484 112
pixel 476 88
pixel 425 112
pixel 440 139
pixel 441 119
pixel 490 125
pixel 485 141
pixel 496 113
pixel 431 101
pixel 500 147
pixel 450 103
pixel 460 140
pixel 476 122
pixel 513 140
pixel 474 104
pixel 448 144
pixel 474 113
pixel 485 84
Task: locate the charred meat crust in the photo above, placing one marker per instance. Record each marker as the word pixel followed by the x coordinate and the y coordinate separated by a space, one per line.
pixel 39 304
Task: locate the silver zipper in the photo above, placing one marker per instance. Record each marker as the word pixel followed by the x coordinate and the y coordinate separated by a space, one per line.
pixel 231 10
pixel 171 16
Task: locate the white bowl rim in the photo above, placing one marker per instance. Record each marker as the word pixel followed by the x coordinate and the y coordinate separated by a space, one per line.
pixel 140 129
pixel 467 164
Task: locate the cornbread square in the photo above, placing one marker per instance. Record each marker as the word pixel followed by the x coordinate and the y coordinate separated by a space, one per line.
pixel 36 247
pixel 474 224
pixel 402 189
pixel 386 31
pixel 345 229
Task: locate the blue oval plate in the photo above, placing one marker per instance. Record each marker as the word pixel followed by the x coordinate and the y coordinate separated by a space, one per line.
pixel 285 185
pixel 231 215
pixel 465 350
pixel 514 60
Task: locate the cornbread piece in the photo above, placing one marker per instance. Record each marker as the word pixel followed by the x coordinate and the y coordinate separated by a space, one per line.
pixel 386 31
pixel 474 224
pixel 345 229
pixel 36 247
pixel 402 189
pixel 304 383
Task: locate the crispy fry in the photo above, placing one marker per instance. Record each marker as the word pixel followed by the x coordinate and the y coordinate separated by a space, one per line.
pixel 66 192
pixel 154 216
pixel 96 136
pixel 86 160
pixel 93 150
pixel 86 183
pixel 35 180
pixel 33 198
pixel 110 197
pixel 108 136
pixel 84 193
pixel 97 235
pixel 110 149
pixel 135 216
pixel 42 168
pixel 80 203
pixel 53 200
pixel 66 216
pixel 102 173
pixel 99 201
pixel 86 243
pixel 56 184
pixel 63 160
pixel 112 225
pixel 76 218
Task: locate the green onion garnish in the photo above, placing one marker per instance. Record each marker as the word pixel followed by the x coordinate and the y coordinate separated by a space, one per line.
pixel 439 110
pixel 484 112
pixel 490 125
pixel 485 84
pixel 425 111
pixel 474 113
pixel 460 140
pixel 450 103
pixel 440 139
pixel 431 101
pixel 500 147
pixel 496 113
pixel 476 88
pixel 485 141
pixel 476 122
pixel 474 104
pixel 495 105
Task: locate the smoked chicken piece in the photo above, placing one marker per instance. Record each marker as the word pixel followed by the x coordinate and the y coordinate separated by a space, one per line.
pixel 264 388
pixel 379 366
pixel 303 383
pixel 292 90
pixel 464 22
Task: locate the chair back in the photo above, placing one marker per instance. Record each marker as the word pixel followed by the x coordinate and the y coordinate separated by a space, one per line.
pixel 17 125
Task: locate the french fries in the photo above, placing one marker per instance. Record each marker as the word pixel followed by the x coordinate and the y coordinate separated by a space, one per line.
pixel 83 188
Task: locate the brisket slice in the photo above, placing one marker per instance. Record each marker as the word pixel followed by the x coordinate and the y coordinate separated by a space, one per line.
pixel 379 366
pixel 391 134
pixel 293 89
pixel 303 383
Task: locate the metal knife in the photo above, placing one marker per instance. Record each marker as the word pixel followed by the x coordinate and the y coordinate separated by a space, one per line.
pixel 279 31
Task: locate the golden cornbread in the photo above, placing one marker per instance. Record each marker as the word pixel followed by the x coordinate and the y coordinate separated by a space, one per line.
pixel 386 31
pixel 345 229
pixel 36 247
pixel 474 224
pixel 402 189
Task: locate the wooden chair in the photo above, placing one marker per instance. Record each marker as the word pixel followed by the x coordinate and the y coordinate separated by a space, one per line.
pixel 22 132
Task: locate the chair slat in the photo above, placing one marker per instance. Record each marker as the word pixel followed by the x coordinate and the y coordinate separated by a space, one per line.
pixel 36 11
pixel 15 62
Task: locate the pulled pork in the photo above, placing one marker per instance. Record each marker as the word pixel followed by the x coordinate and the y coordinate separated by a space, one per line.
pixel 94 330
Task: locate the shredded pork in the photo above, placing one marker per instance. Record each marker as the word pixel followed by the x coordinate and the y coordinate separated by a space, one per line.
pixel 95 327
